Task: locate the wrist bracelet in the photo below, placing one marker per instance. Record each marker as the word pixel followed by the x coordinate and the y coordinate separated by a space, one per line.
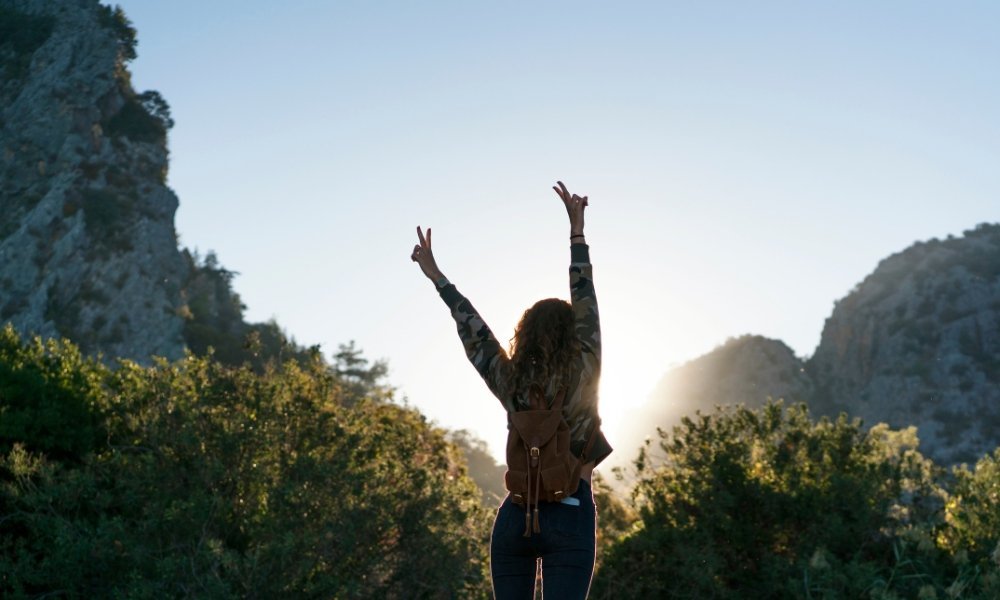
pixel 577 235
pixel 442 282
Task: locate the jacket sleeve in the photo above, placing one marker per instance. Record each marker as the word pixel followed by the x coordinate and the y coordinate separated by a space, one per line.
pixel 584 299
pixel 481 346
pixel 584 414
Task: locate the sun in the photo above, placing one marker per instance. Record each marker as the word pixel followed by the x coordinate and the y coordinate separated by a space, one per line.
pixel 623 391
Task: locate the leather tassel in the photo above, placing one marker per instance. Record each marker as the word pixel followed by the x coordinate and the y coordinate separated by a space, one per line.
pixel 538 490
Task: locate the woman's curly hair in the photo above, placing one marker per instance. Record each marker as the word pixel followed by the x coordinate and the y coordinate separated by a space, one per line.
pixel 544 347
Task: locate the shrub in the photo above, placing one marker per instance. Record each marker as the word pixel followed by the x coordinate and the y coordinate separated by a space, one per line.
pixel 114 18
pixel 157 107
pixel 746 504
pixel 220 482
pixel 136 123
pixel 973 512
pixel 48 397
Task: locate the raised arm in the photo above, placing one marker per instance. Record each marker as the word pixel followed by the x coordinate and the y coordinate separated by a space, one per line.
pixel 581 280
pixel 481 346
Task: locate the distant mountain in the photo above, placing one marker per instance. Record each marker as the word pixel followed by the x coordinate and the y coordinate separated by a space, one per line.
pixel 88 248
pixel 745 370
pixel 916 343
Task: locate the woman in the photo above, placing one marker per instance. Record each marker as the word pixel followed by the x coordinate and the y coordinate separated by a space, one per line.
pixel 556 348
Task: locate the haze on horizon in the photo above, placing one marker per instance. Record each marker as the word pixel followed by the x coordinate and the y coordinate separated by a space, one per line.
pixel 746 166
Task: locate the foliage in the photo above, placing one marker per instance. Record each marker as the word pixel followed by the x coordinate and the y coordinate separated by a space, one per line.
pixel 157 107
pixel 973 516
pixel 215 312
pixel 615 518
pixel 303 479
pixel 214 321
pixel 218 482
pixel 48 397
pixel 358 379
pixel 20 35
pixel 768 503
pixel 135 121
pixel 107 214
pixel 114 18
pixel 142 117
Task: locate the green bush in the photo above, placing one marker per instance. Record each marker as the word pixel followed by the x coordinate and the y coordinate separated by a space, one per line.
pixel 157 107
pixel 48 398
pixel 973 517
pixel 136 123
pixel 219 482
pixel 114 19
pixel 302 479
pixel 214 325
pixel 769 504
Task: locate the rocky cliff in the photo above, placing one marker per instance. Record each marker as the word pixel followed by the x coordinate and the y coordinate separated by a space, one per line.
pixel 87 242
pixel 88 249
pixel 917 342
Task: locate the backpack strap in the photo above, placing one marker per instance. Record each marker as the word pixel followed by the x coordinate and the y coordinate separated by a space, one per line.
pixel 536 397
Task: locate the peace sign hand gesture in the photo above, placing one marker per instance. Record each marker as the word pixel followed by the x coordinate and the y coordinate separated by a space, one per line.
pixel 424 256
pixel 574 208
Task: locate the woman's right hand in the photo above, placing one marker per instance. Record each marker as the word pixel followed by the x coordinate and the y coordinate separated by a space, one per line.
pixel 423 256
pixel 574 208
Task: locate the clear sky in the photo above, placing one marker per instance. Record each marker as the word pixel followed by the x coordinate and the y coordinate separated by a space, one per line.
pixel 746 163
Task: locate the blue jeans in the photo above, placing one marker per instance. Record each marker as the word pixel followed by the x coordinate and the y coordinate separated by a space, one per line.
pixel 566 545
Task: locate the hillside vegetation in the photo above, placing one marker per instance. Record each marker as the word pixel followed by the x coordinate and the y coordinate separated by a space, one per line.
pixel 192 478
pixel 769 503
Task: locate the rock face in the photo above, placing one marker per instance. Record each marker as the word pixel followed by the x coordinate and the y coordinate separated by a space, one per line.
pixel 916 343
pixel 88 248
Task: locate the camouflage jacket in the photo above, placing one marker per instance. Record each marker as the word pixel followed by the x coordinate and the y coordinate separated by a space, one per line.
pixel 493 365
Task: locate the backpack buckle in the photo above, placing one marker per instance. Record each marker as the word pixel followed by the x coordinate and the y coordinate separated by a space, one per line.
pixel 534 452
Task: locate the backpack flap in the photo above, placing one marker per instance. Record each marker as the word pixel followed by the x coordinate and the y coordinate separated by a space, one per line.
pixel 536 427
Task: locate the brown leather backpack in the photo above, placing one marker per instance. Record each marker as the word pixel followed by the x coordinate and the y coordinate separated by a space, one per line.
pixel 540 465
